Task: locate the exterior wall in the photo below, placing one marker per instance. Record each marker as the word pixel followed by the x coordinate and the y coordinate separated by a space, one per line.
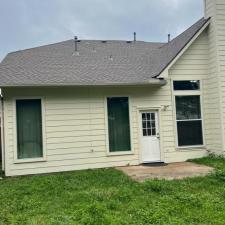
pixel 75 131
pixel 75 120
pixel 75 124
pixel 195 63
pixel 75 128
pixel 216 34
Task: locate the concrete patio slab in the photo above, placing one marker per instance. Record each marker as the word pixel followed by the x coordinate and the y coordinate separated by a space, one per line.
pixel 173 171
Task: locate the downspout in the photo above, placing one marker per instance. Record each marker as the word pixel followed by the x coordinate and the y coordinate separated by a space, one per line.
pixel 2 133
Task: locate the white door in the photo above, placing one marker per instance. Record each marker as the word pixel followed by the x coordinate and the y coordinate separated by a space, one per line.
pixel 150 147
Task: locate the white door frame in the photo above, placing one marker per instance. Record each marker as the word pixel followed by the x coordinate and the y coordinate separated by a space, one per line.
pixel 146 109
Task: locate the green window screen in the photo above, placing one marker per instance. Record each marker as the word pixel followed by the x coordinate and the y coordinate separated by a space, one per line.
pixel 118 124
pixel 29 129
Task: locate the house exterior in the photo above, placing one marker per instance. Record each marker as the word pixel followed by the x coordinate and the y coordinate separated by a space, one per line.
pixel 115 103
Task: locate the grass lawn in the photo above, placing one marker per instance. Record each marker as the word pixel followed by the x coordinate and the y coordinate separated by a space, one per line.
pixel 107 196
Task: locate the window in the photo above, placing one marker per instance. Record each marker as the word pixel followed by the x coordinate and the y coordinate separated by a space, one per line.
pixel 189 122
pixel 148 124
pixel 186 85
pixel 188 113
pixel 118 124
pixel 29 129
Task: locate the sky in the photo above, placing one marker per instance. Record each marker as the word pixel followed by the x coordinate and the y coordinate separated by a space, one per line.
pixel 30 23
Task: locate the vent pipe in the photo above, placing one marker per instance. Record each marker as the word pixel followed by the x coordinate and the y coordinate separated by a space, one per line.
pixel 169 36
pixel 135 36
pixel 75 43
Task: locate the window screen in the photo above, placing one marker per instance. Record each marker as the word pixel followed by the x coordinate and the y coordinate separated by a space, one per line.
pixel 118 124
pixel 29 129
pixel 189 120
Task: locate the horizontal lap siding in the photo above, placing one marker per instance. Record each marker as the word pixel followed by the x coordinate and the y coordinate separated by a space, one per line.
pixel 220 36
pixel 193 65
pixel 215 100
pixel 76 130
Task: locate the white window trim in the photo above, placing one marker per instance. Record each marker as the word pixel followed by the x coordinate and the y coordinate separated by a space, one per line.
pixel 131 151
pixel 30 160
pixel 188 93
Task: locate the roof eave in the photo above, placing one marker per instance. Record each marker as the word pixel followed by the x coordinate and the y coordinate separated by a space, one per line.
pixel 150 82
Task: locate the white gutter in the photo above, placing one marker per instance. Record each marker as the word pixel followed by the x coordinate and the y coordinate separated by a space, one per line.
pixel 153 81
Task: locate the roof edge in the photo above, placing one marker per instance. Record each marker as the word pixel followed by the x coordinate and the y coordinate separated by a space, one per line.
pixel 152 81
pixel 180 53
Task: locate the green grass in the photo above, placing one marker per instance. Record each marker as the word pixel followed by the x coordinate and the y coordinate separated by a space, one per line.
pixel 107 196
pixel 217 162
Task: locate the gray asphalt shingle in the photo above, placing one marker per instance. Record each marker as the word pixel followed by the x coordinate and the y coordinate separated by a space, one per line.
pixel 98 63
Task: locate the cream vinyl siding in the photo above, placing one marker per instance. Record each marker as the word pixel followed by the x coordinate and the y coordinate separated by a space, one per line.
pixel 75 120
pixel 75 132
pixel 195 64
pixel 76 129
pixel 216 37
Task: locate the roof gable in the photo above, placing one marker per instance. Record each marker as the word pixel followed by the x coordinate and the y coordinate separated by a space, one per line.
pixel 176 48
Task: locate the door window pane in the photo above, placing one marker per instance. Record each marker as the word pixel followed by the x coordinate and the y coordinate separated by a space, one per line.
pixel 144 124
pixel 118 124
pixel 152 116
pixel 153 131
pixel 29 129
pixel 148 121
pixel 189 133
pixel 153 124
pixel 145 132
pixel 188 107
pixel 143 116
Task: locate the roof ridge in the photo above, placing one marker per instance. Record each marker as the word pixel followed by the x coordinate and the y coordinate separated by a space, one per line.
pixel 45 45
pixel 60 42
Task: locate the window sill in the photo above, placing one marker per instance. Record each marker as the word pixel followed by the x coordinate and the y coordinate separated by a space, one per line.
pixel 188 148
pixel 120 153
pixel 19 161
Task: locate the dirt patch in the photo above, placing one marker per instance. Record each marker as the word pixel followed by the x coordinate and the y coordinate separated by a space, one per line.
pixel 173 171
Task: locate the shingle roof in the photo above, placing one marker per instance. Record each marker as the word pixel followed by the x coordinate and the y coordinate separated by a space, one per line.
pixel 98 63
